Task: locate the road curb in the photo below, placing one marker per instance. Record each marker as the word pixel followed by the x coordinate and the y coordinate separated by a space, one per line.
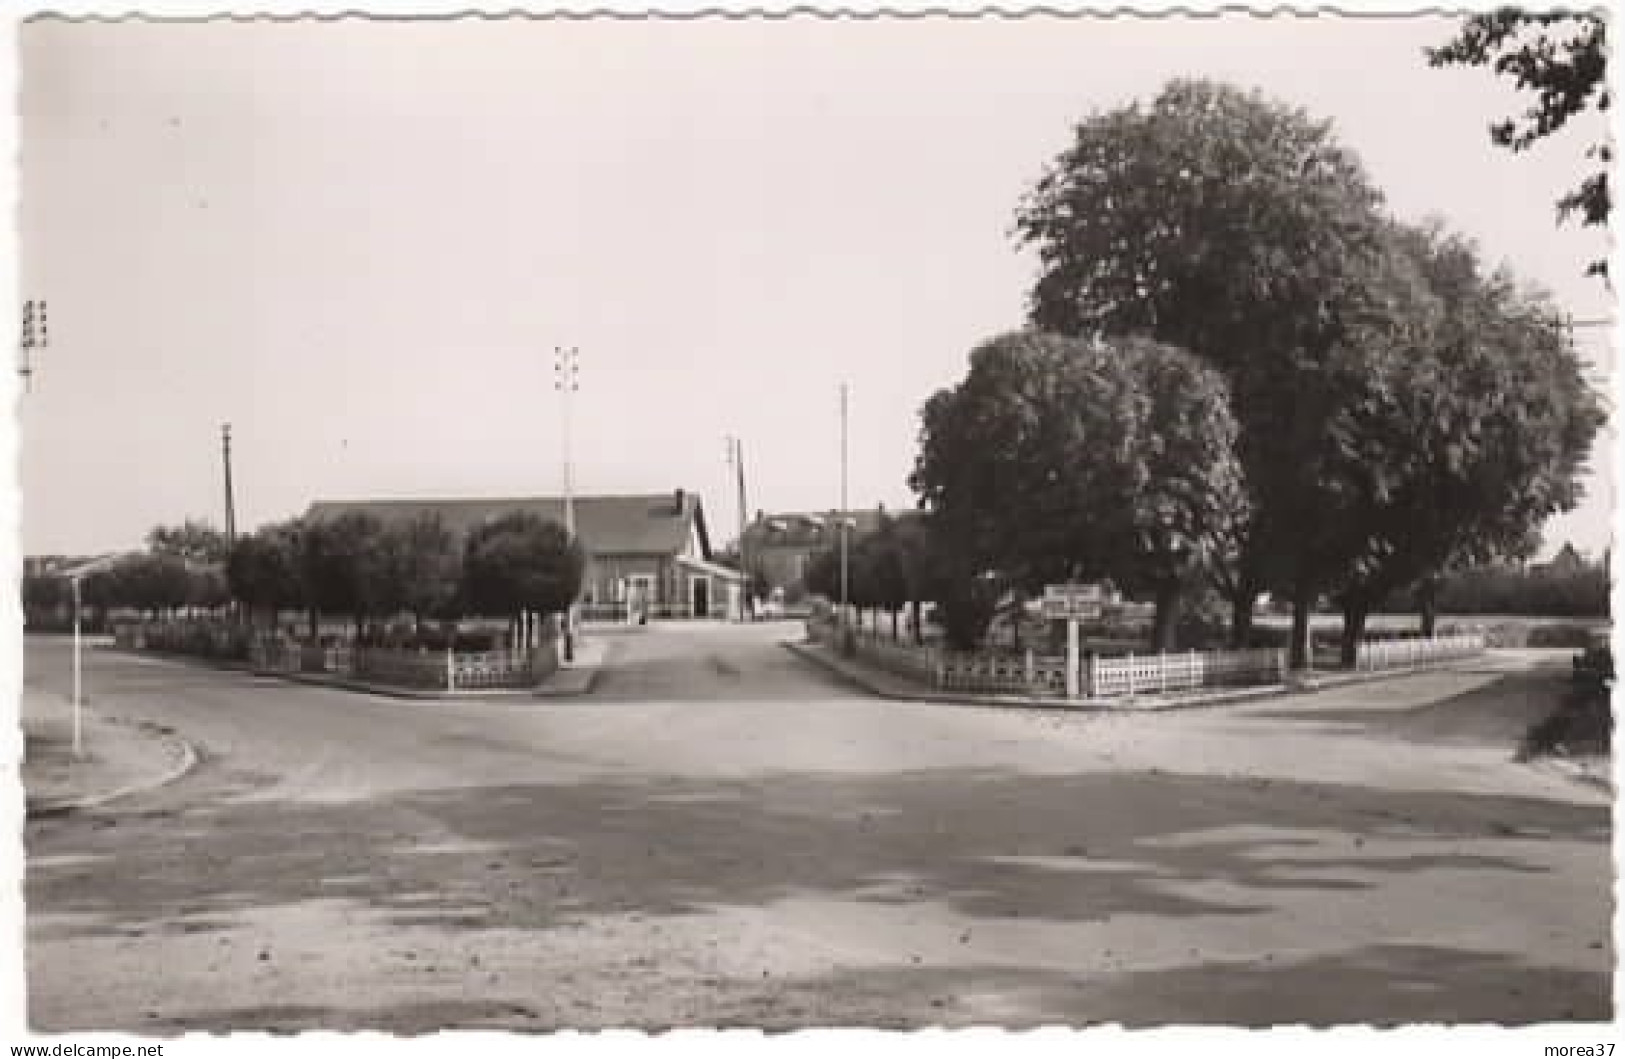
pixel 189 759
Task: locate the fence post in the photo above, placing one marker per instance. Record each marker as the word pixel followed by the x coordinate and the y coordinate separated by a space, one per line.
pixel 1071 658
pixel 451 670
pixel 1131 674
pixel 1093 673
pixel 1029 669
pixel 1196 680
pixel 1162 672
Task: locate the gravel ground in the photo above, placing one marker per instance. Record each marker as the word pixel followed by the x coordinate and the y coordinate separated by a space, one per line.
pixel 722 835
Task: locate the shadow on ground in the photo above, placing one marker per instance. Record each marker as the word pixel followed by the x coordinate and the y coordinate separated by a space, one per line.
pixel 987 843
pixel 1381 985
pixel 1498 713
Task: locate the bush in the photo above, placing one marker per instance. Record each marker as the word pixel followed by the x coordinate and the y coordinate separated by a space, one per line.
pixel 1502 590
pixel 1584 723
pixel 1560 636
pixel 1524 634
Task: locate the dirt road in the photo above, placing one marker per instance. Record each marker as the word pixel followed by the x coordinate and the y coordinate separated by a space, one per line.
pixel 721 835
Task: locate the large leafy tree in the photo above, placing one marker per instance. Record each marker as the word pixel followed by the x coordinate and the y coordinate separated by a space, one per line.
pixel 154 582
pixel 422 567
pixel 1474 425
pixel 264 570
pixel 44 591
pixel 103 590
pixel 1562 58
pixel 882 570
pixel 193 540
pixel 1058 458
pixel 341 567
pixel 1237 228
pixel 519 562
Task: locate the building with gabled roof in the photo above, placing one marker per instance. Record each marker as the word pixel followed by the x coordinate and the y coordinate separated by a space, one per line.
pixel 782 545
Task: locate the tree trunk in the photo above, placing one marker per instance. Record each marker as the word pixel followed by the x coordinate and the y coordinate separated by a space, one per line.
pixel 1427 598
pixel 919 629
pixel 1354 615
pixel 1303 606
pixel 894 636
pixel 1242 604
pixel 315 625
pixel 1165 625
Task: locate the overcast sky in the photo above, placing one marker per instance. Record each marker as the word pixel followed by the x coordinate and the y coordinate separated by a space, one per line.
pixel 360 242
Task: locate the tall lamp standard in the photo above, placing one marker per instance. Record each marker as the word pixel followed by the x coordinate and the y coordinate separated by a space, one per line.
pixel 75 575
pixel 844 527
pixel 36 335
pixel 567 381
pixel 736 461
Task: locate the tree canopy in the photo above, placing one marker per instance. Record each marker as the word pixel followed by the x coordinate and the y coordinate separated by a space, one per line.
pixel 193 540
pixel 1473 424
pixel 1238 228
pixel 421 567
pixel 1060 458
pixel 521 562
pixel 341 566
pixel 263 568
pixel 1562 58
pixel 156 581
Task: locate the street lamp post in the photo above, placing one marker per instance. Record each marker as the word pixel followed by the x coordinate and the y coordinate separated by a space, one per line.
pixel 75 575
pixel 567 381
pixel 843 524
pixel 36 335
pixel 225 460
pixel 78 685
pixel 736 460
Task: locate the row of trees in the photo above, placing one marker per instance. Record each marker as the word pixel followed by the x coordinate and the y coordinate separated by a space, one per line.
pixel 901 565
pixel 1243 374
pixel 183 567
pixel 357 565
pixel 354 565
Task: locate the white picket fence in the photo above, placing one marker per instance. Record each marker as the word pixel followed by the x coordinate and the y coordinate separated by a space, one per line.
pixel 1148 674
pixel 424 669
pixel 1375 655
pixel 1044 676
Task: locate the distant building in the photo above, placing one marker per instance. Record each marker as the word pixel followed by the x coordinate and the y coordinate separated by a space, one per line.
pixel 783 545
pixel 42 565
pixel 1566 561
pixel 655 548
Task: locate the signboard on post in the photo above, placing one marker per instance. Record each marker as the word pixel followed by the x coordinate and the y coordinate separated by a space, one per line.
pixel 1073 601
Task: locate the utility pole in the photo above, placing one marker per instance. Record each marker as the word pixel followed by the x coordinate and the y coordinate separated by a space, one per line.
pixel 744 551
pixel 844 527
pixel 567 380
pixel 736 460
pixel 231 507
pixel 35 336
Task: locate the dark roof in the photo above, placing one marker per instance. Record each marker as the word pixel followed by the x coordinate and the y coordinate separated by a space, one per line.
pixel 814 529
pixel 607 525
